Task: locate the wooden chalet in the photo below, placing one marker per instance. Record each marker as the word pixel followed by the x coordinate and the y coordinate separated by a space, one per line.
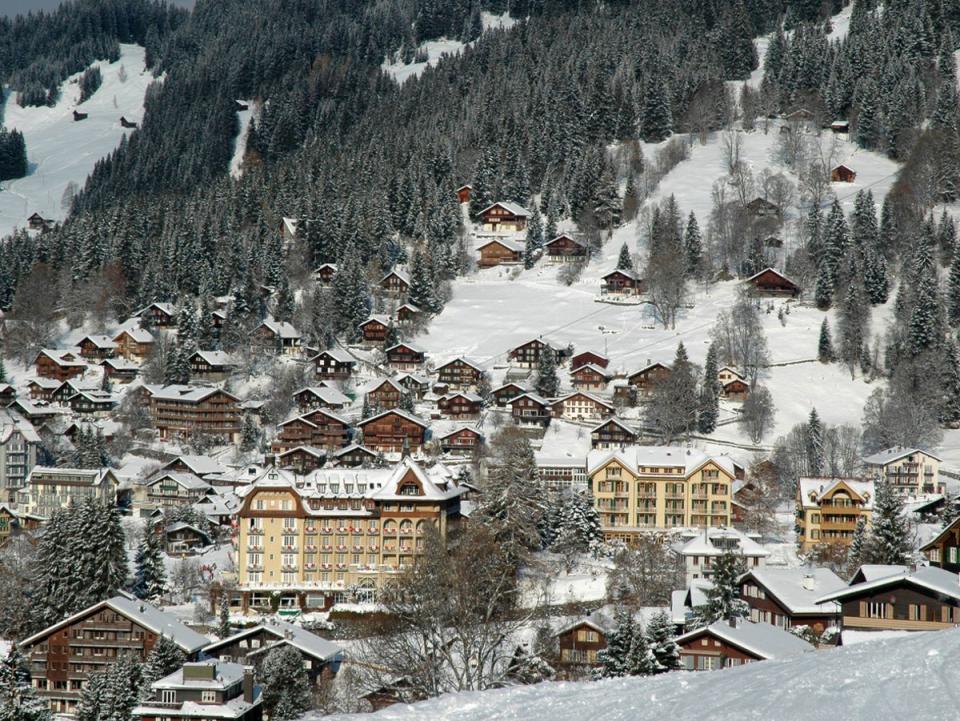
pixel 840 126
pixel 59 364
pixel 120 370
pixel 14 521
pixel 463 193
pixel 460 373
pixel 927 599
pixel 182 539
pixel 408 314
pixel 354 455
pixel 612 433
pixel 842 174
pixel 735 390
pixel 374 329
pixel 581 406
pixel 97 347
pixel 527 355
pixel 7 394
pixel 405 357
pixel 500 251
pixel 393 431
pixel 277 337
pixel 302 459
pixel 727 644
pixel 727 374
pixel 325 273
pixel 622 282
pixel 582 640
pixel 323 396
pixel 588 356
pixel 503 217
pixel 211 365
pixel 787 597
pixel 564 249
pixel 42 389
pixel 98 404
pixel 589 377
pixel 506 393
pixel 762 208
pixel 772 283
pixel 384 394
pixel 179 411
pixel 38 222
pixel 318 428
pixel 413 384
pixel 463 440
pixel 460 405
pixel 68 389
pixel 157 315
pixel 530 409
pixel 396 282
pixel 333 364
pixel 944 550
pixel 134 344
pixel 645 379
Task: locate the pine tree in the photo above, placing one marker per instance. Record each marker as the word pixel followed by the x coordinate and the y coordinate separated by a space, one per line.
pixel 693 246
pixel 953 290
pixel 657 123
pixel 548 383
pixel 164 658
pixel 576 527
pixel 924 329
pixel 286 687
pixel 223 624
pixel 624 262
pixel 18 700
pixel 723 597
pixel 150 576
pixel 815 457
pixel 614 660
pixel 249 434
pixel 825 345
pixel 890 535
pixel 709 408
pixel 673 406
pixel 858 546
pixel 950 386
pixel 423 291
pixel 660 636
pixel 3 372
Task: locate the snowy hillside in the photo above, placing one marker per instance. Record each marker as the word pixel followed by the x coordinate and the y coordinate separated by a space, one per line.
pixel 60 150
pixel 900 678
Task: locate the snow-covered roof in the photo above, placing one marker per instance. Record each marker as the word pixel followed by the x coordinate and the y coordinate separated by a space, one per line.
pixel 584 394
pixel 397 411
pixel 890 455
pixel 622 271
pixel 301 639
pixel 798 589
pixel 715 541
pixel 413 377
pixel 817 488
pixel 11 423
pixel 472 397
pixel 45 383
pixel 189 394
pixel 341 356
pixel 929 578
pixel 408 346
pixel 281 329
pixel 380 318
pixel 199 465
pixel 165 308
pixel 139 612
pixel 564 236
pixel 510 207
pixel 759 639
pixel 215 357
pixel 461 359
pixel 399 273
pixel 615 421
pixel 311 450
pixel 436 481
pixel 121 364
pixel 185 480
pixel 327 394
pixel 136 333
pixel 100 341
pixel 592 367
pixel 60 356
pixel 769 270
pixel 379 383
pixel 517 246
pixel 532 396
pixel 873 571
pixel 636 457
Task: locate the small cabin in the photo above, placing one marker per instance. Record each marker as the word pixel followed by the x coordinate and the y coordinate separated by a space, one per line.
pixel 762 208
pixel 129 124
pixel 589 378
pixel 461 441
pixel 503 217
pixel 530 409
pixel 842 174
pixel 463 193
pixel 405 357
pixel 333 364
pixel 460 405
pixel 325 273
pixel 78 116
pixel 506 393
pixel 158 315
pixel 735 390
pixel 840 126
pixel 772 283
pixel 564 249
pixel 621 282
pixel 374 329
pixel 396 282
pixel 499 252
pixel 38 222
pixel 612 433
pixel 408 314
pixel 646 379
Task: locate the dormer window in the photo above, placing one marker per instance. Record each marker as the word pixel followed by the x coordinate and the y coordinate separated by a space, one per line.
pixel 408 489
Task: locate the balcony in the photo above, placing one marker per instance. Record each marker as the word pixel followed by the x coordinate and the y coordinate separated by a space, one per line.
pixel 310 530
pixel 255 531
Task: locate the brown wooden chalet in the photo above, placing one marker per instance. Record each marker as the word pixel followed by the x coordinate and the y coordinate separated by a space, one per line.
pixel 211 365
pixel 393 431
pixel 374 329
pixel 735 390
pixel 726 644
pixel 408 314
pixel 158 315
pixel 927 599
pixel 580 406
pixel 354 455
pixel 322 396
pixel 530 409
pixel 527 355
pixel 13 522
pixel 59 364
pixel 325 273
pixel 42 389
pixel 97 347
pixel 63 656
pixel 333 364
pixel 842 174
pixel 463 440
pixel 134 344
pixel 179 411
pixel 318 428
pixel 589 378
pixel 582 640
pixel 463 193
pixel 588 356
pixel 506 393
pixel 459 373
pixel 622 282
pixel 787 597
pixel 405 357
pixel 277 337
pixel 772 283
pixel 93 403
pixel 503 217
pixel 612 433
pixel 302 459
pixel 944 550
pixel 762 208
pixel 120 370
pixel 396 282
pixel 38 222
pixel 413 384
pixel 384 394
pixel 68 389
pixel 7 394
pixel 564 249
pixel 500 251
pixel 645 379
pixel 460 405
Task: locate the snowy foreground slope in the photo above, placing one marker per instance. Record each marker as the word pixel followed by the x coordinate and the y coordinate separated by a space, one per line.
pixel 912 678
pixel 60 150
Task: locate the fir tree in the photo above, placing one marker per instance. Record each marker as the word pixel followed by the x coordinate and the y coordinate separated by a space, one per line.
pixel 624 261
pixel 924 329
pixel 858 546
pixel 673 406
pixel 657 123
pixel 249 434
pixel 18 700
pixel 423 291
pixel 660 635
pixel 890 541
pixel 953 290
pixel 614 660
pixel 825 344
pixel 709 408
pixel 693 246
pixel 164 658
pixel 548 383
pixel 723 597
pixel 3 372
pixel 223 621
pixel 150 576
pixel 815 452
pixel 950 386
pixel 286 687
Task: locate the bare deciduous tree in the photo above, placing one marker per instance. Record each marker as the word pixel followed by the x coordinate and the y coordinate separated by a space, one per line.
pixel 645 574
pixel 740 339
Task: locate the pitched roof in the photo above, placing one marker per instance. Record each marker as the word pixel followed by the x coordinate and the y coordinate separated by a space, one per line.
pixel 215 357
pixel 57 354
pixel 408 346
pixel 517 246
pixel 461 359
pixel 634 457
pixel 592 367
pixel 532 396
pixel 399 273
pixel 617 422
pixel 327 394
pixel 564 236
pixel 929 578
pixel 889 455
pixel 136 333
pixel 715 541
pixel 437 482
pixel 199 465
pixel 11 423
pixel 165 308
pixel 396 411
pixel 798 589
pixel 301 639
pixel 629 273
pixel 770 270
pixel 380 318
pixel 514 208
pixel 590 396
pixel 759 639
pixel 186 480
pixel 281 329
pixel 189 394
pixel 341 356
pixel 820 487
pixel 100 341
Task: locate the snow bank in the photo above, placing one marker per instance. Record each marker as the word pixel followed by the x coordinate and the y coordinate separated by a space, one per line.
pixel 240 144
pixel 911 678
pixel 60 150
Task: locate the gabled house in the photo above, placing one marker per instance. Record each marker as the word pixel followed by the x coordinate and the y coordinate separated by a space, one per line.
pixel 97 347
pixel 842 174
pixel 646 379
pixel 828 509
pixel 527 355
pixel 530 409
pixel 911 471
pixel 68 389
pixel 172 489
pixel 320 397
pixel 203 691
pixel 580 641
pixel 120 370
pixel 134 343
pixel 699 551
pixel 13 522
pixel 724 645
pixel 589 377
pixel 394 431
pixel 42 389
pixel 772 283
pixel 302 459
pixel 396 282
pixel 354 455
pixel 500 251
pixel 374 329
pixel 182 538
pixel 415 385
pixel 325 273
pixel 460 405
pixel 463 193
pixel 943 551
pixel 727 374
pixel 277 337
pixel 461 440
pixel 408 313
pixel 588 357
pixel 211 365
pixel 96 403
pixel 385 393
pixel 59 364
pixel 178 411
pixel 503 217
pixel 612 433
pixel 405 357
pixel 460 373
pixel 564 249
pixel 333 364
pixel 158 315
pixel 7 394
pixel 38 222
pixel 762 208
pixel 318 428
pixel 736 390
pixel 19 443
pixel 788 597
pixel 506 393
pixel 581 406
pixel 622 282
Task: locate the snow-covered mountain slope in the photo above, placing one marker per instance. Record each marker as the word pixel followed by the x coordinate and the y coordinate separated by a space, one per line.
pixel 61 150
pixel 912 678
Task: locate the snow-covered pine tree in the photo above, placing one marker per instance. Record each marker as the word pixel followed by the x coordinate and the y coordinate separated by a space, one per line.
pixel 423 290
pixel 150 574
pixel 925 330
pixel 825 344
pixel 723 597
pixel 607 206
pixel 640 660
pixel 660 637
pixel 624 261
pixel 693 246
pixel 950 386
pixel 93 697
pixel 577 526
pixel 613 661
pixel 823 290
pixel 18 700
pixel 548 383
pixel 890 541
pixel 854 315
pixel 249 434
pixel 657 121
pixel 953 290
pixel 673 406
pixel 351 296
pixel 286 687
pixel 858 546
pixel 164 658
pixel 709 407
pixel 223 617
pixel 815 451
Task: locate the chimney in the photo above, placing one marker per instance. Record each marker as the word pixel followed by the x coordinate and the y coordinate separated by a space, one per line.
pixel 248 684
pixel 732 621
pixel 808 582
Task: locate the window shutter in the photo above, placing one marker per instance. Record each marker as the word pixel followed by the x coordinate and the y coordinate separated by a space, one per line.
pixel 888 610
pixel 863 609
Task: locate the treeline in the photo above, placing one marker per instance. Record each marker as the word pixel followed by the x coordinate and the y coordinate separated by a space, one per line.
pixel 13 154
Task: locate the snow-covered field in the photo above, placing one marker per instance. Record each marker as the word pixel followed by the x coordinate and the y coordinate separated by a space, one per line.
pixel 61 151
pixel 900 678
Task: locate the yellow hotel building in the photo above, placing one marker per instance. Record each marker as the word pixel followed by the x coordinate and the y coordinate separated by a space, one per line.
pixel 639 489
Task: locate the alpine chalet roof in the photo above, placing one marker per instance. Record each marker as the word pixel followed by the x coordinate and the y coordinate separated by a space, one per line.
pixel 187 394
pixel 635 457
pixel 510 207
pixel 517 246
pixel 820 487
pixel 301 639
pixel 798 589
pixel 890 455
pixel 929 578
pixel 759 639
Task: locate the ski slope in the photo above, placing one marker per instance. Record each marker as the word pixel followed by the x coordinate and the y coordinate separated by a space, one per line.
pixel 60 150
pixel 912 678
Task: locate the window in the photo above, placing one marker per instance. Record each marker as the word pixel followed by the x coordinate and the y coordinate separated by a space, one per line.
pixel 876 609
pixel 208 696
pixel 168 696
